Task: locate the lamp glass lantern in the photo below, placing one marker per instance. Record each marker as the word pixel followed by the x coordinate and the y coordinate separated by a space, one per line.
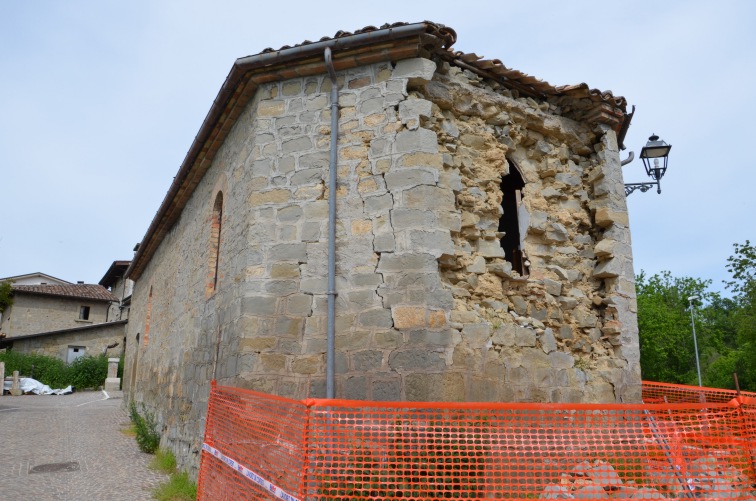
pixel 655 150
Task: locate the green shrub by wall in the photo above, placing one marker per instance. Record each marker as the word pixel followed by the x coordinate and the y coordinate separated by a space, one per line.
pixel 84 372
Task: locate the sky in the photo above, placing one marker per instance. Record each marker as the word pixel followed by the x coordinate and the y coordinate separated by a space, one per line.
pixel 101 100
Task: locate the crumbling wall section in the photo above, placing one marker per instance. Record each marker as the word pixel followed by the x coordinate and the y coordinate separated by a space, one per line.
pixel 565 332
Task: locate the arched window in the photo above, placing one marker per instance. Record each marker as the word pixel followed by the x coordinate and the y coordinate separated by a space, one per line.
pixel 509 224
pixel 215 239
pixel 147 320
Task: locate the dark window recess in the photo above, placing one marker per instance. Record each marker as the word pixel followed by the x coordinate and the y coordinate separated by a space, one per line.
pixel 84 313
pixel 509 224
pixel 215 233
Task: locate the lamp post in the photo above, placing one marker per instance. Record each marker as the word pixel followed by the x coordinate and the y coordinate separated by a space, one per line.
pixel 656 150
pixel 695 343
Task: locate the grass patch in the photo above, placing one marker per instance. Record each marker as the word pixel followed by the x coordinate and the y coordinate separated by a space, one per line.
pixel 178 488
pixel 164 461
pixel 130 431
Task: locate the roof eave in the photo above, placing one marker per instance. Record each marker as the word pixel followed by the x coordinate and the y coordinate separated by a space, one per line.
pixel 239 87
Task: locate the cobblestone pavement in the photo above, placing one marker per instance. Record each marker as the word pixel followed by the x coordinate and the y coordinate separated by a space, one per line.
pixel 80 436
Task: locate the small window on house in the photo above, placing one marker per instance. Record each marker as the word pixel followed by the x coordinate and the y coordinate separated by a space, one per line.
pixel 84 313
pixel 509 224
pixel 215 238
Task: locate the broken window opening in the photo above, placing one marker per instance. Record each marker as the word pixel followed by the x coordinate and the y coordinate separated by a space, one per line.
pixel 509 223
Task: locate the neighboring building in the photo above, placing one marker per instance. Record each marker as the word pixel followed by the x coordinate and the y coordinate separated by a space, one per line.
pixel 482 241
pixel 35 279
pixel 66 321
pixel 121 287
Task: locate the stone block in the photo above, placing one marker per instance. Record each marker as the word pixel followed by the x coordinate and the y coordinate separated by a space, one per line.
pixel 402 219
pixel 409 141
pixel 490 249
pixel 411 111
pixel 391 262
pixel 271 108
pixel 308 176
pixel 378 205
pixel 560 360
pixel 289 252
pixel 538 222
pixel 355 388
pixel 272 362
pixel 409 317
pixel 296 145
pixel 387 390
pixel 310 232
pixel 447 387
pixel 379 318
pixel 524 337
pixel 384 243
pixel 313 285
pixel 552 287
pixel 410 177
pixel 434 242
pixel 606 217
pixel 565 332
pixel 367 360
pixel 257 344
pixel 441 338
pixel 548 341
pixel 418 71
pixel 281 287
pixel 416 360
pixel 274 196
pixel 259 305
pixel 308 364
pixel 608 269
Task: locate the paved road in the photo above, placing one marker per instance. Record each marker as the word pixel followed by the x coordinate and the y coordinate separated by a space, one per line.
pixel 79 435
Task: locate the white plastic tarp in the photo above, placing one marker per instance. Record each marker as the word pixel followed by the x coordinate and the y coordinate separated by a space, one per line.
pixel 29 385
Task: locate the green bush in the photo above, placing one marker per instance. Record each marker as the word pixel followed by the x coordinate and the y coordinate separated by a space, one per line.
pixel 89 372
pixel 84 372
pixel 47 370
pixel 147 437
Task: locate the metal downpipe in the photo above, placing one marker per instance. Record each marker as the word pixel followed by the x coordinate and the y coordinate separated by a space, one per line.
pixel 333 166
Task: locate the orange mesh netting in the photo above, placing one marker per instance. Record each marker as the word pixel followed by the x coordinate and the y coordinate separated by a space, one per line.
pixel 259 446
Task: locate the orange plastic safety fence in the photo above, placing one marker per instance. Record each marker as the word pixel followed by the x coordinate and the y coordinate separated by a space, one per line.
pixel 677 393
pixel 253 447
pixel 409 450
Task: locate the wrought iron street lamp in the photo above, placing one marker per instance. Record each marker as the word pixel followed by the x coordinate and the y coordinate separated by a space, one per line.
pixel 654 156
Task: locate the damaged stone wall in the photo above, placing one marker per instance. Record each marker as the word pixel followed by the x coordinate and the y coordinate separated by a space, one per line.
pixel 427 306
pixel 567 331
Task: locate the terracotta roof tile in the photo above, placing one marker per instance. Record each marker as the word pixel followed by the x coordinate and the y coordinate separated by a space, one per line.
pixel 93 292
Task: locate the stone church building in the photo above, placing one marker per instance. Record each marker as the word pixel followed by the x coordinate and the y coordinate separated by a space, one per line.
pixel 482 248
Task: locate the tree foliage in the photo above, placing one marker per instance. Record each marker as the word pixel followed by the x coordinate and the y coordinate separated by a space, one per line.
pixel 6 299
pixel 725 327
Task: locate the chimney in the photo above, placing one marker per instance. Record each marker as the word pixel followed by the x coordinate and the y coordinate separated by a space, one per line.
pixel 80 282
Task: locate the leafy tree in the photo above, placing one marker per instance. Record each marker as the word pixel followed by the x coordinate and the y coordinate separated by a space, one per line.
pixel 6 299
pixel 666 341
pixel 725 327
pixel 742 266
